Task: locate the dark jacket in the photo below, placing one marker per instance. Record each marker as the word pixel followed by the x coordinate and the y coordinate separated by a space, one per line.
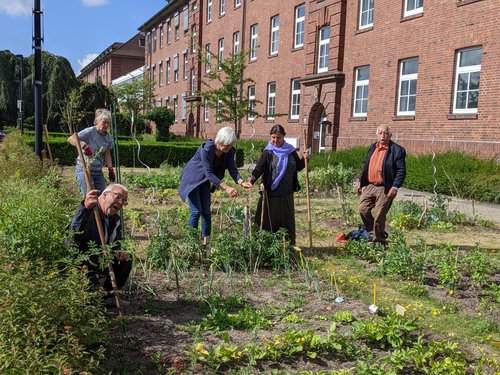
pixel 85 228
pixel 199 169
pixel 264 168
pixel 393 168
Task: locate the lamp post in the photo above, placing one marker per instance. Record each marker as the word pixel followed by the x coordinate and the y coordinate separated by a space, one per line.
pixel 20 100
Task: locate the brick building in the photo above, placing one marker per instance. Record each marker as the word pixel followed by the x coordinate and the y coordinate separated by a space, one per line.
pixel 339 68
pixel 115 61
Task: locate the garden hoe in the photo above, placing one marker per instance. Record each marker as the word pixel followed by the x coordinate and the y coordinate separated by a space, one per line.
pixel 373 308
pixel 99 228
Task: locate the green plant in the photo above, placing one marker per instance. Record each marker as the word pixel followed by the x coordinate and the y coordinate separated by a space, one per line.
pixel 343 317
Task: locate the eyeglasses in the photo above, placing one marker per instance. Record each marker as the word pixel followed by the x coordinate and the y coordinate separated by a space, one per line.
pixel 119 197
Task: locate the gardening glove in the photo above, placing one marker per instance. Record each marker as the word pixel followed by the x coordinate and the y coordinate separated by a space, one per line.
pixel 87 150
pixel 111 174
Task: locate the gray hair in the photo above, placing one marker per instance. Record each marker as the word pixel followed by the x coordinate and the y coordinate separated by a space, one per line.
pixel 111 187
pixel 389 130
pixel 102 114
pixel 226 137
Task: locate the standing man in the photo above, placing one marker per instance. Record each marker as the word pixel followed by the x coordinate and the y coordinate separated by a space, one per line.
pixel 383 174
pixel 86 234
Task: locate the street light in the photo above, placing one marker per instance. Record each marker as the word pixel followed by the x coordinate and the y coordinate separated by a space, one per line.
pixel 20 100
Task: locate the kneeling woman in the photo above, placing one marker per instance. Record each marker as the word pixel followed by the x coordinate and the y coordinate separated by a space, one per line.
pixel 207 166
pixel 278 165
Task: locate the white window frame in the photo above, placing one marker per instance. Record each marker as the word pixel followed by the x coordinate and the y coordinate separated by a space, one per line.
pixel 193 81
pixel 208 58
pixel 254 35
pixel 153 32
pixel 160 74
pixel 205 111
pixel 209 11
pixel 185 68
pixel 168 71
pixel 193 39
pixel 237 3
pixel 466 70
pixel 274 35
pixel 183 107
pixel 161 35
pixel 169 31
pixel 220 54
pixel 271 100
pixel 417 7
pixel 176 67
pixel 251 102
pixel 298 40
pixel 324 49
pixel 176 108
pixel 236 43
pixel 360 84
pixel 407 79
pixel 295 99
pixel 222 7
pixel 366 9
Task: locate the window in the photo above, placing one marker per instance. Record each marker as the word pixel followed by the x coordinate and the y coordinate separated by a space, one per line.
pixel 168 71
pixel 148 39
pixel 154 75
pixel 295 100
pixel 205 110
pixel 160 75
pixel 413 7
pixel 237 3
pixel 366 14
pixel 176 67
pixel 183 107
pixel 300 16
pixel 361 91
pixel 408 75
pixel 467 80
pixel 209 11
pixel 193 39
pixel 154 40
pixel 271 100
pixel 236 43
pixel 185 14
pixel 176 108
pixel 208 58
pixel 222 7
pixel 169 31
pixel 177 29
pixel 324 49
pixel 254 31
pixel 251 103
pixel 185 68
pixel 220 56
pixel 193 81
pixel 218 117
pixel 275 28
pixel 161 35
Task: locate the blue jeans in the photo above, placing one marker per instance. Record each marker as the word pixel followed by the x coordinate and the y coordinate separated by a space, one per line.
pixel 199 205
pixel 96 178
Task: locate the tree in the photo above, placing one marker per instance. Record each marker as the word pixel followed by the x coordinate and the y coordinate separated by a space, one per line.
pixel 222 88
pixel 163 118
pixel 136 96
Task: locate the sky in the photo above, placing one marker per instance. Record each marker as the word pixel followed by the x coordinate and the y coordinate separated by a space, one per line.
pixel 78 30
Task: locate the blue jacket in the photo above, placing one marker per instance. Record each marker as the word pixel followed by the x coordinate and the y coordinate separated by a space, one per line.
pixel 199 169
pixel 393 169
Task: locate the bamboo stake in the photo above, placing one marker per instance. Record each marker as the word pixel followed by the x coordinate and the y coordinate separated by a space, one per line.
pixel 47 140
pixel 307 193
pixel 100 229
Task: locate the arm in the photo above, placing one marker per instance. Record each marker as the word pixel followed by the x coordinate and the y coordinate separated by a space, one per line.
pixel 400 173
pixel 231 167
pixel 259 169
pixel 107 158
pixel 207 157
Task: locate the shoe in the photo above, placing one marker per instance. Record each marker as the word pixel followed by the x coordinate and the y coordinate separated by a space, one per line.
pixel 111 302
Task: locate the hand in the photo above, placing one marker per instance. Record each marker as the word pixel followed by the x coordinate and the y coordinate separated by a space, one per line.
pixel 305 154
pixel 91 198
pixel 247 185
pixel 231 192
pixel 359 190
pixel 87 150
pixel 111 174
pixel 121 255
pixel 392 193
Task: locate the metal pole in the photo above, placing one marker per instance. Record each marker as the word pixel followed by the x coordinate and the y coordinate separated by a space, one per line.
pixel 37 45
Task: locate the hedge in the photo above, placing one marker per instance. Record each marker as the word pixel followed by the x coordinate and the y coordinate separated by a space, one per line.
pixel 153 154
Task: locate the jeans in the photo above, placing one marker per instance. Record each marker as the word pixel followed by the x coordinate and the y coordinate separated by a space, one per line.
pixel 199 205
pixel 96 178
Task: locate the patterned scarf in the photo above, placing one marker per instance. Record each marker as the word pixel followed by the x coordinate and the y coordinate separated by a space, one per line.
pixel 282 154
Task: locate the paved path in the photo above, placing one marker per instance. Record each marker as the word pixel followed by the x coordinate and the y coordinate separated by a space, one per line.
pixel 483 210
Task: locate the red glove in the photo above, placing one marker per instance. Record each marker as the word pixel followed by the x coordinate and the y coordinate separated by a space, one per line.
pixel 87 150
pixel 111 174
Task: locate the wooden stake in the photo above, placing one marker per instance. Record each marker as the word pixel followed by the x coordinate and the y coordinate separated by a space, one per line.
pixel 307 193
pixel 47 140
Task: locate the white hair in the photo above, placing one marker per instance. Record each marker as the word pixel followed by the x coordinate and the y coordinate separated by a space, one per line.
pixel 226 137
pixel 389 130
pixel 102 114
pixel 111 187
